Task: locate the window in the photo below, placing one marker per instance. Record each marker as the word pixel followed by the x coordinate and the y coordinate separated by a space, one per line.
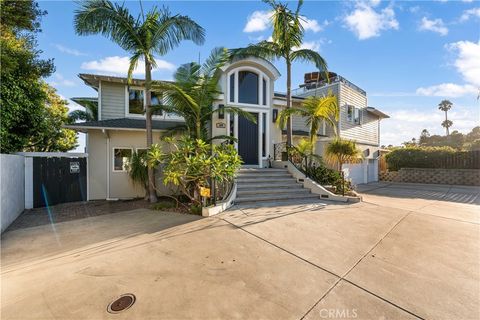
pixel 141 151
pixel 232 87
pixel 247 87
pixel 135 101
pixel 156 100
pixel 120 158
pixel 264 90
pixel 353 114
pixel 264 135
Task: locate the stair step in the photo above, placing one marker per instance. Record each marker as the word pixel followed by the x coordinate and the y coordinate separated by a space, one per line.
pixel 264 175
pixel 263 170
pixel 259 186
pixel 270 191
pixel 269 197
pixel 262 179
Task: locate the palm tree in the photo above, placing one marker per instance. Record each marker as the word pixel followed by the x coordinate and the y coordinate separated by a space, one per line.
pixel 445 106
pixel 193 92
pixel 89 114
pixel 315 110
pixel 341 151
pixel 154 33
pixel 137 170
pixel 287 38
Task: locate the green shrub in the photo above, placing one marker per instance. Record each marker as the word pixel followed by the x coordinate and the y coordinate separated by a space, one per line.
pixel 431 157
pixel 196 209
pixel 326 176
pixel 162 205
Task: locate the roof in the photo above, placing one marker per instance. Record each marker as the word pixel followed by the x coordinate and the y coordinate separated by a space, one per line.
pixel 124 123
pixel 378 113
pixel 284 96
pixel 93 80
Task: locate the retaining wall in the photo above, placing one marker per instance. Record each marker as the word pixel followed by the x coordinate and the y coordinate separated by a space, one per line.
pixel 466 177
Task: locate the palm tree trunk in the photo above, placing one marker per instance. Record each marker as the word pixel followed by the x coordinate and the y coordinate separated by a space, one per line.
pixel 446 127
pixel 148 124
pixel 289 102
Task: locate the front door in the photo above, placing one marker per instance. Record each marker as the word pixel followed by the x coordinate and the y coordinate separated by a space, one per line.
pixel 248 140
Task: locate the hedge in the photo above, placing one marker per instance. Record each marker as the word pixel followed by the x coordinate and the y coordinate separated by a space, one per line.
pixel 432 157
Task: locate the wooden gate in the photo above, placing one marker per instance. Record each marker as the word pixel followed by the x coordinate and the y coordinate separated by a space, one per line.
pixel 59 180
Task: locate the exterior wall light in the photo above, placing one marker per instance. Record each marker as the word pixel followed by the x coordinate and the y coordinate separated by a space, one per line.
pixel 221 111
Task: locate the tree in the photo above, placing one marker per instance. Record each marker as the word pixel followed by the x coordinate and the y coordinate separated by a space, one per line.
pixel 341 151
pixel 193 92
pixel 137 168
pixel 424 135
pixel 23 97
pixel 51 136
pixel 156 32
pixel 315 110
pixel 89 114
pixel 445 106
pixel 287 38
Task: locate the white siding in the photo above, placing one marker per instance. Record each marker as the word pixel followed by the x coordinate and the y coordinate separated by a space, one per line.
pixel 113 100
pixel 367 130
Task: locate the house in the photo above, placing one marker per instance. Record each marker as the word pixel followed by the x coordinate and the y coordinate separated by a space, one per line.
pixel 247 83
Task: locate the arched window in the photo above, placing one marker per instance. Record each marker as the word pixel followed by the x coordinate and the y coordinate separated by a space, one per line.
pixel 248 87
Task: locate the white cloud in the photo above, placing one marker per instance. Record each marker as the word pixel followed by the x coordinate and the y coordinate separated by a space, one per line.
pixel 436 25
pixel 261 20
pixel 468 60
pixel 366 22
pixel 258 21
pixel 414 9
pixel 119 66
pixel 73 52
pixel 467 1
pixel 311 24
pixel 467 14
pixel 311 45
pixel 60 81
pixel 448 90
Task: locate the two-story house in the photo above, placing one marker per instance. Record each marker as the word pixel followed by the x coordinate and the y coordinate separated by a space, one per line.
pixel 247 83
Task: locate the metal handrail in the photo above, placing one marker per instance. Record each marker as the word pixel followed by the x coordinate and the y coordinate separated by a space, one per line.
pixel 320 84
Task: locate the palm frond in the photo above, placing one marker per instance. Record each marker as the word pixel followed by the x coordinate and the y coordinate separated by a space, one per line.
pixel 307 55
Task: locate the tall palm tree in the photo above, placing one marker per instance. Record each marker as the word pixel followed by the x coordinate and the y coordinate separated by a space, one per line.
pixel 287 38
pixel 315 110
pixel 193 91
pixel 154 33
pixel 89 114
pixel 445 106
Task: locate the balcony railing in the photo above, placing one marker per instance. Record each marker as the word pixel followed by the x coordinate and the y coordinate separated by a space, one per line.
pixel 305 88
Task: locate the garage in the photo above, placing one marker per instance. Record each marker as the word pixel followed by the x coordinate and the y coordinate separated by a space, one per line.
pixel 364 172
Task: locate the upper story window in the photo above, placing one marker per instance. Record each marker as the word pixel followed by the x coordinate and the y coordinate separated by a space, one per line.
pixel 248 87
pixel 353 114
pixel 135 101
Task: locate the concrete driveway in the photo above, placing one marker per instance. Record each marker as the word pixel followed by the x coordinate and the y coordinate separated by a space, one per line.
pixel 406 252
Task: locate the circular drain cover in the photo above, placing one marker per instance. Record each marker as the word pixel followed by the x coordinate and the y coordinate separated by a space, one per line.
pixel 123 302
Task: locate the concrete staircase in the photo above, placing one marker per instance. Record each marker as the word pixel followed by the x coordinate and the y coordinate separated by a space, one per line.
pixel 263 185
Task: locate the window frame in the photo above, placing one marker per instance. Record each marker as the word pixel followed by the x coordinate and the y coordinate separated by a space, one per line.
pixel 352 117
pixel 113 158
pixel 261 76
pixel 163 116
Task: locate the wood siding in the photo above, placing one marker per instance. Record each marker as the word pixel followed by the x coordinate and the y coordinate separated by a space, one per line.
pixel 298 123
pixel 113 101
pixel 367 130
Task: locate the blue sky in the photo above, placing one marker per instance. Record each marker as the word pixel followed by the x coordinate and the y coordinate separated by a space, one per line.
pixel 408 56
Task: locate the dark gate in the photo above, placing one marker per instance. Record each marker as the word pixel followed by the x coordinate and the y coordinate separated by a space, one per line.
pixel 59 180
pixel 248 140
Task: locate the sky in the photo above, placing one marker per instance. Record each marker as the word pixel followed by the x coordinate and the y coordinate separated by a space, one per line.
pixel 407 55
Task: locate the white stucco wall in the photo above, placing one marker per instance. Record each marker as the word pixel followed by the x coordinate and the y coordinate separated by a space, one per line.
pixel 12 188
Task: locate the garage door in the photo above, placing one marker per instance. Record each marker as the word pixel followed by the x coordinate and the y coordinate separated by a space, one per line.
pixel 354 172
pixel 372 170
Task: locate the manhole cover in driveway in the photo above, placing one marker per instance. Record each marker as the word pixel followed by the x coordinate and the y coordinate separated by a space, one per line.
pixel 122 303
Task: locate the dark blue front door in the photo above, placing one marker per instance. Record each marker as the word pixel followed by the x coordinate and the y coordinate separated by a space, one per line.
pixel 248 140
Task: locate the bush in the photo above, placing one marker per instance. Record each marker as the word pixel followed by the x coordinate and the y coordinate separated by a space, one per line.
pixel 326 176
pixel 162 205
pixel 431 157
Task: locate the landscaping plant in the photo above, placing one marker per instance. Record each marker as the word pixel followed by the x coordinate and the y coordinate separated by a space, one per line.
pixel 138 170
pixel 190 164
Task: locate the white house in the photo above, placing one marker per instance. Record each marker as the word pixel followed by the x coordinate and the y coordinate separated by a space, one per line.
pixel 247 83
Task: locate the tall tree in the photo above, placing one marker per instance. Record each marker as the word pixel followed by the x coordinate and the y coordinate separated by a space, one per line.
pixel 23 97
pixel 193 92
pixel 153 33
pixel 287 38
pixel 445 106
